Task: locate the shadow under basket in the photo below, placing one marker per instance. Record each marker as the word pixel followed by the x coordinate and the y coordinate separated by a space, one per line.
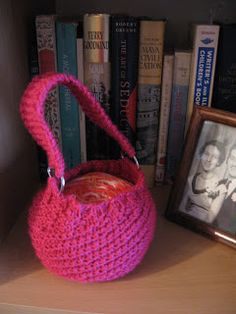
pixel 86 242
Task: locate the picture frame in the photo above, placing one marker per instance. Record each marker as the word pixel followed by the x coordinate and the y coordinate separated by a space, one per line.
pixel 203 196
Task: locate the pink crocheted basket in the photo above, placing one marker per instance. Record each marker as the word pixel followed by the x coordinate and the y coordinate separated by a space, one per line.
pixel 85 242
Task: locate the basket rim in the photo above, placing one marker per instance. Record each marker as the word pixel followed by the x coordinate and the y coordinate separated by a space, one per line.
pixel 90 166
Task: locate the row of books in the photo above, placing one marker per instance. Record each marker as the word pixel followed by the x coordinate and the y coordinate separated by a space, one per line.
pixel 203 76
pixel 119 58
pixel 148 93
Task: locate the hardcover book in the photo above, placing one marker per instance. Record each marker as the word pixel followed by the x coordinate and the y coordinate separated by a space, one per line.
pixel 80 71
pixel 67 63
pixel 124 75
pixel 97 78
pixel 33 52
pixel 47 60
pixel 151 42
pixel 179 98
pixel 34 70
pixel 205 43
pixel 166 89
pixel 224 95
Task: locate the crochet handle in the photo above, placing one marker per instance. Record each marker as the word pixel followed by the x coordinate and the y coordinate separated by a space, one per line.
pixel 32 113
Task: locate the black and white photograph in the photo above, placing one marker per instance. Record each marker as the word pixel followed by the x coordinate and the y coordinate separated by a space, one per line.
pixel 210 192
pixel 207 178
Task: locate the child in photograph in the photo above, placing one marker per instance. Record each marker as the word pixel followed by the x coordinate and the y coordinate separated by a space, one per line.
pixel 226 218
pixel 204 193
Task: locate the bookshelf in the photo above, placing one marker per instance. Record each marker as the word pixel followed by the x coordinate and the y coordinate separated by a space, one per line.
pixel 183 272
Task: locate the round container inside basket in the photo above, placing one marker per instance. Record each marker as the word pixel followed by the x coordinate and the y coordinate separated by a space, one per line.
pixel 96 187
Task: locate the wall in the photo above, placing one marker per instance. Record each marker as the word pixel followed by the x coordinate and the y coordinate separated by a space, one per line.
pixel 18 171
pixel 179 13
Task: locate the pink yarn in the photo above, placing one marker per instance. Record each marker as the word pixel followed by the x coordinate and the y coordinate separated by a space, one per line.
pixel 86 242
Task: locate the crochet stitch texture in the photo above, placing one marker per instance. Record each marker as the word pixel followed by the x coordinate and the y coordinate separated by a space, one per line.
pixel 86 242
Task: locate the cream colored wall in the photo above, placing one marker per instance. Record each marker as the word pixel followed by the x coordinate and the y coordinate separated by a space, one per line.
pixel 17 154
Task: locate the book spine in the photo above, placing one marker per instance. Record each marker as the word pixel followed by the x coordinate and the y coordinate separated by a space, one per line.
pixel 47 59
pixel 205 43
pixel 178 109
pixel 166 89
pixel 151 42
pixel 80 70
pixel 224 94
pixel 34 70
pixel 67 63
pixel 97 78
pixel 33 52
pixel 124 75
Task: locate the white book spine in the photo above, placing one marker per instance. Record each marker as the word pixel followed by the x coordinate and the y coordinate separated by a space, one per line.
pixel 205 43
pixel 177 120
pixel 166 89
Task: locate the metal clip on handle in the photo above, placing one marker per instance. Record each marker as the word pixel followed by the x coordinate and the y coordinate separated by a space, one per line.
pixel 135 159
pixel 51 173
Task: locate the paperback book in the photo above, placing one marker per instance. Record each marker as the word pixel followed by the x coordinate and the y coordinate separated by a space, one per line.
pixel 166 89
pixel 179 98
